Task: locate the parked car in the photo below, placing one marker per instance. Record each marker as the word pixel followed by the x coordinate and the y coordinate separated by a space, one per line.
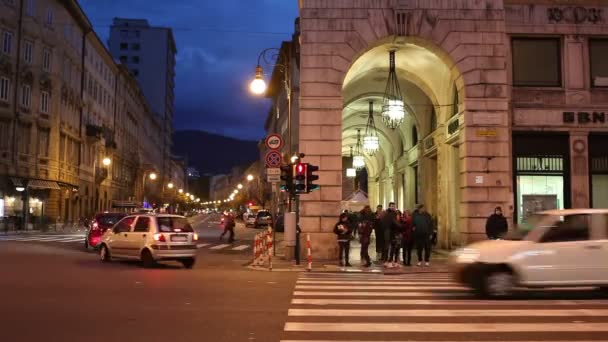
pixel 97 226
pixel 263 218
pixel 559 248
pixel 151 238
pixel 250 219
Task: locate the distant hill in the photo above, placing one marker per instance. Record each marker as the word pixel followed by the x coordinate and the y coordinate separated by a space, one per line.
pixel 212 153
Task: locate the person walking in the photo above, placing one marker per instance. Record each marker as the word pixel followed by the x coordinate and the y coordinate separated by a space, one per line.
pixel 379 233
pixel 343 230
pixel 396 240
pixel 423 234
pixel 366 226
pixel 496 225
pixel 388 222
pixel 408 238
pixel 229 224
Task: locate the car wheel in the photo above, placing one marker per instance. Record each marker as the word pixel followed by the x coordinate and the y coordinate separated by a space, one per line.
pixel 188 262
pixel 104 254
pixel 498 284
pixel 146 259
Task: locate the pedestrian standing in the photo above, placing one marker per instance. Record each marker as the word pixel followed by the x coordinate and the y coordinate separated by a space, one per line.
pixel 366 225
pixel 408 238
pixel 396 239
pixel 379 233
pixel 229 224
pixel 423 234
pixel 344 232
pixel 496 225
pixel 389 220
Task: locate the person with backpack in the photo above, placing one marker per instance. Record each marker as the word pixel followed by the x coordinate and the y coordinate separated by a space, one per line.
pixel 343 230
pixel 365 228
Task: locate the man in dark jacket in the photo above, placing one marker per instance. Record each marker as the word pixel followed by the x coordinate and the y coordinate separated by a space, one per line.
pixel 423 233
pixel 497 225
pixel 379 233
pixel 344 232
pixel 365 227
pixel 229 224
pixel 388 223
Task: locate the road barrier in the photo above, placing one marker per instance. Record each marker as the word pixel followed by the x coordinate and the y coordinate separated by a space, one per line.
pixel 309 253
pixel 262 249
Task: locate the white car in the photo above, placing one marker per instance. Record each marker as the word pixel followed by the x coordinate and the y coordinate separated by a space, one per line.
pixel 150 238
pixel 250 219
pixel 560 248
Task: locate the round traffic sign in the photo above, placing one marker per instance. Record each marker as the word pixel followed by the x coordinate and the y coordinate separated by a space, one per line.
pixel 273 159
pixel 274 141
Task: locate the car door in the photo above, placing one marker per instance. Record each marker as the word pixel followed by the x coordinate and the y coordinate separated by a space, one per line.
pixel 138 236
pixel 120 235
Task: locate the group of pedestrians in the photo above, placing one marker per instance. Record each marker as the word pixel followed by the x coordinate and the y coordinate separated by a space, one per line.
pixel 397 234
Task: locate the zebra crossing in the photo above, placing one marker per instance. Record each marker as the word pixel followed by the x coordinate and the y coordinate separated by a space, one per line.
pixel 79 238
pixel 371 307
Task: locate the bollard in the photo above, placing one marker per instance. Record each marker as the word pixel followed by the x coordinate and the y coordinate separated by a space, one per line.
pixel 309 252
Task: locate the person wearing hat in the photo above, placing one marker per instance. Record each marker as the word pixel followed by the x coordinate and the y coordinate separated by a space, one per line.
pixel 496 225
pixel 343 230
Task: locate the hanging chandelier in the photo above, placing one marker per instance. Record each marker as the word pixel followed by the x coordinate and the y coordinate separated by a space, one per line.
pixel 393 108
pixel 358 160
pixel 351 172
pixel 371 142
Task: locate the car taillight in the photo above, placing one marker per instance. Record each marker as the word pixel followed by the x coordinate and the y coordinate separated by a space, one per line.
pixel 159 238
pixel 195 237
pixel 95 225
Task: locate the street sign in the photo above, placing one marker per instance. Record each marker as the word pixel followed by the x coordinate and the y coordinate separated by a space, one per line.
pixel 273 171
pixel 274 142
pixel 274 178
pixel 273 159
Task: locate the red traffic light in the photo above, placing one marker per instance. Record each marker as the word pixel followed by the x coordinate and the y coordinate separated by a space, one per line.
pixel 250 204
pixel 301 168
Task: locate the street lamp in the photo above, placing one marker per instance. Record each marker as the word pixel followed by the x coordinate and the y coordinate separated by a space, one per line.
pixel 20 189
pixel 170 185
pixel 181 191
pixel 106 161
pixel 152 175
pixel 249 178
pixel 258 85
pixel 192 197
pixel 236 191
pixel 240 186
pixel 187 194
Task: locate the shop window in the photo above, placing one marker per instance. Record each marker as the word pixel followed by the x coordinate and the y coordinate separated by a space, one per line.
pixel 598 52
pixel 536 62
pixel 598 167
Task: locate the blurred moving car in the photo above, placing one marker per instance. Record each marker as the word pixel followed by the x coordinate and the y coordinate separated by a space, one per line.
pixel 98 225
pixel 151 238
pixel 561 248
pixel 263 218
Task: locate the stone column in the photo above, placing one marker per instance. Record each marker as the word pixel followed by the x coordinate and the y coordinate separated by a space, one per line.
pixel 579 169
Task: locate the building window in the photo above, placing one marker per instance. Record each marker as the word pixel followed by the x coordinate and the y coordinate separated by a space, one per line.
pixel 23 134
pixel 28 49
pixel 45 99
pixel 135 72
pixel 123 59
pixel 598 52
pixel 49 16
pixel 26 96
pixel 124 46
pixel 5 89
pixel 46 59
pixel 135 46
pixel 7 42
pixel 43 142
pixel 124 34
pixel 135 59
pixel 30 8
pixel 527 71
pixel 137 34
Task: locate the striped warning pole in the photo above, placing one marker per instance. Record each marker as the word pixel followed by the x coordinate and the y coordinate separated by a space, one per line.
pixel 255 248
pixel 309 252
pixel 269 247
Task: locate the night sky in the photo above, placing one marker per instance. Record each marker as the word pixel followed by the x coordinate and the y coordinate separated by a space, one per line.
pixel 218 42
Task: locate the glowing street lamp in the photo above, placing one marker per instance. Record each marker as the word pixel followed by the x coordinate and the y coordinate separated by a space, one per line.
pixel 170 185
pixel 152 175
pixel 181 191
pixel 240 186
pixel 106 161
pixel 258 85
pixel 192 197
pixel 249 178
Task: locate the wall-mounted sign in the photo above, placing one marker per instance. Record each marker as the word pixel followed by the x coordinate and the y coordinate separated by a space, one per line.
pixel 478 179
pixel 490 132
pixel 274 142
pixel 574 15
pixel 584 118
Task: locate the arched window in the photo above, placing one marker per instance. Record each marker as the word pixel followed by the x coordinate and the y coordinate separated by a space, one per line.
pixel 414 135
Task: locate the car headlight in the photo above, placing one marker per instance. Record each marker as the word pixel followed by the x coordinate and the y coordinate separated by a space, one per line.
pixel 466 255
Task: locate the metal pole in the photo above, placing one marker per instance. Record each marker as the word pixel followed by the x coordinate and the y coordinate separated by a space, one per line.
pixel 297 251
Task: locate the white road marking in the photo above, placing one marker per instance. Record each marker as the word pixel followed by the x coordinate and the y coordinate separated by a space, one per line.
pixel 374 282
pixel 373 287
pixel 220 246
pixel 333 301
pixel 446 327
pixel 377 294
pixel 72 240
pixel 240 248
pixel 201 245
pixel 448 313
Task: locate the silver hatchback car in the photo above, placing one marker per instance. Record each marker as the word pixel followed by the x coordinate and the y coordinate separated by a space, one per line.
pixel 150 238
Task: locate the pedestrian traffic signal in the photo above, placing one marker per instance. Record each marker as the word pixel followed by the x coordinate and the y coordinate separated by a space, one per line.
pixel 299 175
pixel 311 177
pixel 287 178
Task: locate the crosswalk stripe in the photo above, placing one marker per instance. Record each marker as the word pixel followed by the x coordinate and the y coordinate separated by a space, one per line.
pixel 220 246
pixel 334 301
pixel 373 282
pixel 72 240
pixel 448 313
pixel 201 245
pixel 374 287
pixel 445 327
pixel 240 248
pixel 377 294
pixel 426 341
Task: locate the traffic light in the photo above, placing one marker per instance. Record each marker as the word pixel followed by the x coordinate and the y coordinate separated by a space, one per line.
pixel 287 178
pixel 311 177
pixel 299 175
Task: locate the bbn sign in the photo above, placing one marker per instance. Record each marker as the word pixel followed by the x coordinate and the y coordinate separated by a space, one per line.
pixel 274 142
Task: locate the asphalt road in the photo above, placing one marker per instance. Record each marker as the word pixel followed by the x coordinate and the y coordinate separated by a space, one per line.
pixel 56 291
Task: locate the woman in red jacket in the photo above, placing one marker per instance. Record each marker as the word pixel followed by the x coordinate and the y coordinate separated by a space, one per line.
pixel 408 238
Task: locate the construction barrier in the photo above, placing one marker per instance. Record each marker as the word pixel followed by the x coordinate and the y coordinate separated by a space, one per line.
pixel 309 253
pixel 262 249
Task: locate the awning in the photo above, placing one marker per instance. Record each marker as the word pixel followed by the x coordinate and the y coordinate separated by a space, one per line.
pixel 36 184
pixel 124 204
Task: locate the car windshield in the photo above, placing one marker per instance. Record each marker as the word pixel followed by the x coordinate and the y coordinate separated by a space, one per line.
pixel 173 224
pixel 534 227
pixel 263 214
pixel 109 220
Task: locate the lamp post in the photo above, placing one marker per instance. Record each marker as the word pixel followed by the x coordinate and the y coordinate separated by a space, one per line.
pixel 152 175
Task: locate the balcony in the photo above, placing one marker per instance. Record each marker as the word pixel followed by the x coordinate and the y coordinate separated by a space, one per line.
pixel 94 131
pixel 101 174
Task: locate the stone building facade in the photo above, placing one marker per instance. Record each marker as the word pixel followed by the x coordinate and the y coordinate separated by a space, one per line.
pixel 506 103
pixel 65 106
